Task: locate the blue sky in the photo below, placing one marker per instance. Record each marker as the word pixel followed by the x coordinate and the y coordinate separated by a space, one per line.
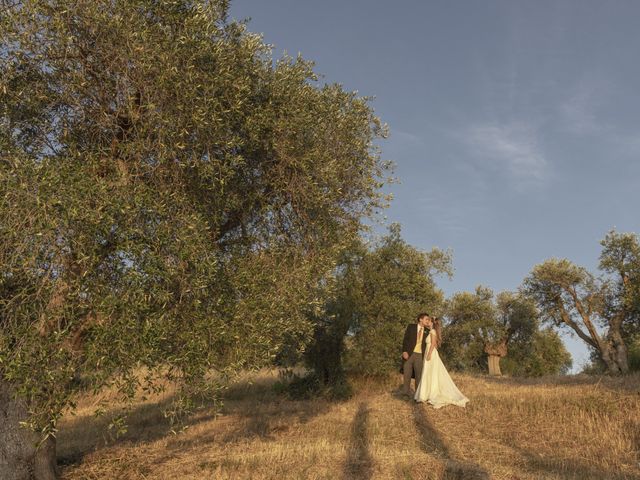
pixel 514 125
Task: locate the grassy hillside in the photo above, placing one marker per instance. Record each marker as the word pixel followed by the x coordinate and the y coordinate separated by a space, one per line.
pixel 552 428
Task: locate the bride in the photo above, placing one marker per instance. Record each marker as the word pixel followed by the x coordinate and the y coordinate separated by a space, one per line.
pixel 436 386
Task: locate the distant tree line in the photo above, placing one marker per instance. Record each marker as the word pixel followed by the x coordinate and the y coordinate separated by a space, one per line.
pixel 380 287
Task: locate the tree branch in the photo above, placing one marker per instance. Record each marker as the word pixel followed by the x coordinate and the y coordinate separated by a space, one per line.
pixel 586 319
pixel 566 318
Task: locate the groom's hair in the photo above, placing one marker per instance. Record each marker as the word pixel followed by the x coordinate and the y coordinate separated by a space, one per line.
pixel 422 315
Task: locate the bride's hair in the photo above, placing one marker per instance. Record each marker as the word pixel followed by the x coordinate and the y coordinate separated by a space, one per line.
pixel 437 326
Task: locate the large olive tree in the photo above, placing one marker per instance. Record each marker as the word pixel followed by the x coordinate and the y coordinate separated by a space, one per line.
pixel 170 197
pixel 602 311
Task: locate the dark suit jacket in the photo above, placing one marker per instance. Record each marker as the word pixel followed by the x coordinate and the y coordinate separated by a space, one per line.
pixel 409 341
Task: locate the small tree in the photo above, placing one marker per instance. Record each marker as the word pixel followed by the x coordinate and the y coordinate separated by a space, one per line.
pixel 516 323
pixel 543 353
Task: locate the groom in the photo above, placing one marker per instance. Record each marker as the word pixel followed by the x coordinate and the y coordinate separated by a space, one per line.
pixel 413 348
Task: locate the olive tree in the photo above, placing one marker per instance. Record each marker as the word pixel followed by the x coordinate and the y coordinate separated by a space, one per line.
pixel 170 197
pixel 378 289
pixel 470 324
pixel 333 322
pixel 620 260
pixel 393 283
pixel 483 329
pixel 601 311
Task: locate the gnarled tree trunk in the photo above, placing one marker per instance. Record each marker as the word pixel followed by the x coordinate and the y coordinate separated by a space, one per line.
pixel 21 455
pixel 622 356
pixel 619 347
pixel 608 356
pixel 495 351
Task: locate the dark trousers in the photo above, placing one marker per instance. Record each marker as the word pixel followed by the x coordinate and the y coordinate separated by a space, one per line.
pixel 413 365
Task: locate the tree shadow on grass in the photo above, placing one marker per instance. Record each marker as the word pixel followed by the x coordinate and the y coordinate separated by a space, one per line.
pixel 258 411
pixel 359 464
pixel 432 443
pixel 88 433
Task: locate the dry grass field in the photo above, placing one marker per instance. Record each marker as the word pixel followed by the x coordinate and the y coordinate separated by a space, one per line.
pixel 551 428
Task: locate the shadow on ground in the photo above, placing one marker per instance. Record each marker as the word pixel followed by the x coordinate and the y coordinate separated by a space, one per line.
pixel 433 444
pixel 257 411
pixel 359 463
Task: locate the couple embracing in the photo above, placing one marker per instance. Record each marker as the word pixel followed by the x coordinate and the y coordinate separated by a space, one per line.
pixel 420 358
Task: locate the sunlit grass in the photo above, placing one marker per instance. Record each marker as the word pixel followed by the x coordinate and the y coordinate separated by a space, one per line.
pixel 552 428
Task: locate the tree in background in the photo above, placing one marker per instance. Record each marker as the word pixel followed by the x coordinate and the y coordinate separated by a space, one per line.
pixel 325 354
pixel 603 312
pixel 516 320
pixel 543 353
pixel 470 323
pixel 378 290
pixel 395 283
pixel 620 258
pixel 505 329
pixel 169 198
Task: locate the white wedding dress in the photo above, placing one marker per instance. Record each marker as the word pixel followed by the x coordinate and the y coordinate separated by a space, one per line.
pixel 436 386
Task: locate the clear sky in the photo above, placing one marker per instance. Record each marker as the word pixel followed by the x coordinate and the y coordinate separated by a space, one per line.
pixel 514 125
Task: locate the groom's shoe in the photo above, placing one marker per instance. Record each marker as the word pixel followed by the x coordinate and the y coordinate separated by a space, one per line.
pixel 399 392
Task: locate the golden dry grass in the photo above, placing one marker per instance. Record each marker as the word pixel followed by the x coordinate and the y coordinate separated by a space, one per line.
pixel 552 428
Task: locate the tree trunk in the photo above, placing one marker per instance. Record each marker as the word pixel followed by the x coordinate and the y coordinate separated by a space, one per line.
pixel 622 358
pixel 494 365
pixel 495 351
pixel 20 456
pixel 619 348
pixel 609 358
